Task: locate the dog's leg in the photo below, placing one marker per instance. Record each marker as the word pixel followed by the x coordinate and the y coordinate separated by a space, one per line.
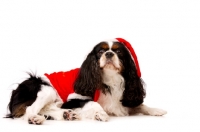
pixel 53 112
pixel 45 96
pixel 149 111
pixel 44 101
pixel 93 110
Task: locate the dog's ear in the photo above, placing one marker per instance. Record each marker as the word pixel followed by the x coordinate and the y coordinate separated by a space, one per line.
pixel 89 76
pixel 134 92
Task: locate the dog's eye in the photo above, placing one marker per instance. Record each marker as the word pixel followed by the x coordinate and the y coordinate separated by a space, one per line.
pixel 101 51
pixel 118 51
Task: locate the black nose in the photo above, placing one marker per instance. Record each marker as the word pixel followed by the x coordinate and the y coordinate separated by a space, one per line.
pixel 109 54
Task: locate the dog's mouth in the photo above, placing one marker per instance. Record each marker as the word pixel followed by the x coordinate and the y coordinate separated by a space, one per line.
pixel 109 61
pixel 109 64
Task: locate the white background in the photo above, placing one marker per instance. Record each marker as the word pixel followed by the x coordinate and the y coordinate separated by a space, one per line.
pixel 46 36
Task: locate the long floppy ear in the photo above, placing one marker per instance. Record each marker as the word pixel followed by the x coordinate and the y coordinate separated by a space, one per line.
pixel 89 77
pixel 134 92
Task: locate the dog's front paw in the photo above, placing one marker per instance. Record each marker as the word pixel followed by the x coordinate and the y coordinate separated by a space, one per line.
pixel 101 116
pixel 157 112
pixel 70 115
pixel 36 119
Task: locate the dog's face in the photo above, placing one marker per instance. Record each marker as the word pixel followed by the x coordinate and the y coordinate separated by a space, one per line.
pixel 111 55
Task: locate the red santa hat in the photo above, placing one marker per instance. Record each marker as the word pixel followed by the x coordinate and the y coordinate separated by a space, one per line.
pixel 132 52
pixel 63 81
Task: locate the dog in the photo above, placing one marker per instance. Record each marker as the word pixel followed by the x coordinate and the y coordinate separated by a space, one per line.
pixel 107 83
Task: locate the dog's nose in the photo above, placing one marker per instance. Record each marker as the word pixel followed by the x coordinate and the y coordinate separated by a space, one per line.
pixel 109 54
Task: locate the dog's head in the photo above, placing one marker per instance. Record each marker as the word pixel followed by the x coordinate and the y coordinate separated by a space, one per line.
pixel 119 57
pixel 111 55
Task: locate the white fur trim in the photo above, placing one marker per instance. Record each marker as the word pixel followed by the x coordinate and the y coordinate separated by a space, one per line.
pixel 77 96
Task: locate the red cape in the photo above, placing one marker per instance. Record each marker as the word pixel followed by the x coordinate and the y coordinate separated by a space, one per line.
pixel 63 82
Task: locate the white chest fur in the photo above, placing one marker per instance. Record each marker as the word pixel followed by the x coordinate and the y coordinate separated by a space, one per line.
pixel 111 102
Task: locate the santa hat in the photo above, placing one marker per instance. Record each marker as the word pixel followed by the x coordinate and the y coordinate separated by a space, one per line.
pixel 132 52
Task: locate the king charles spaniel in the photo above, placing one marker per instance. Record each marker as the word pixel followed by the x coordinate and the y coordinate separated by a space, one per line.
pixel 107 83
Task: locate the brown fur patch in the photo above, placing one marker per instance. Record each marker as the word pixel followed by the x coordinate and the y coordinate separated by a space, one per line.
pixel 20 110
pixel 115 46
pixel 105 46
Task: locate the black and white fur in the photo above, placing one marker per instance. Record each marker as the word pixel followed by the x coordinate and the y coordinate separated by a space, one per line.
pixel 110 68
pixel 35 100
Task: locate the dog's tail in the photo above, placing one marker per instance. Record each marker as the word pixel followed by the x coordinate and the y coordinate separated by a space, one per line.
pixel 24 95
